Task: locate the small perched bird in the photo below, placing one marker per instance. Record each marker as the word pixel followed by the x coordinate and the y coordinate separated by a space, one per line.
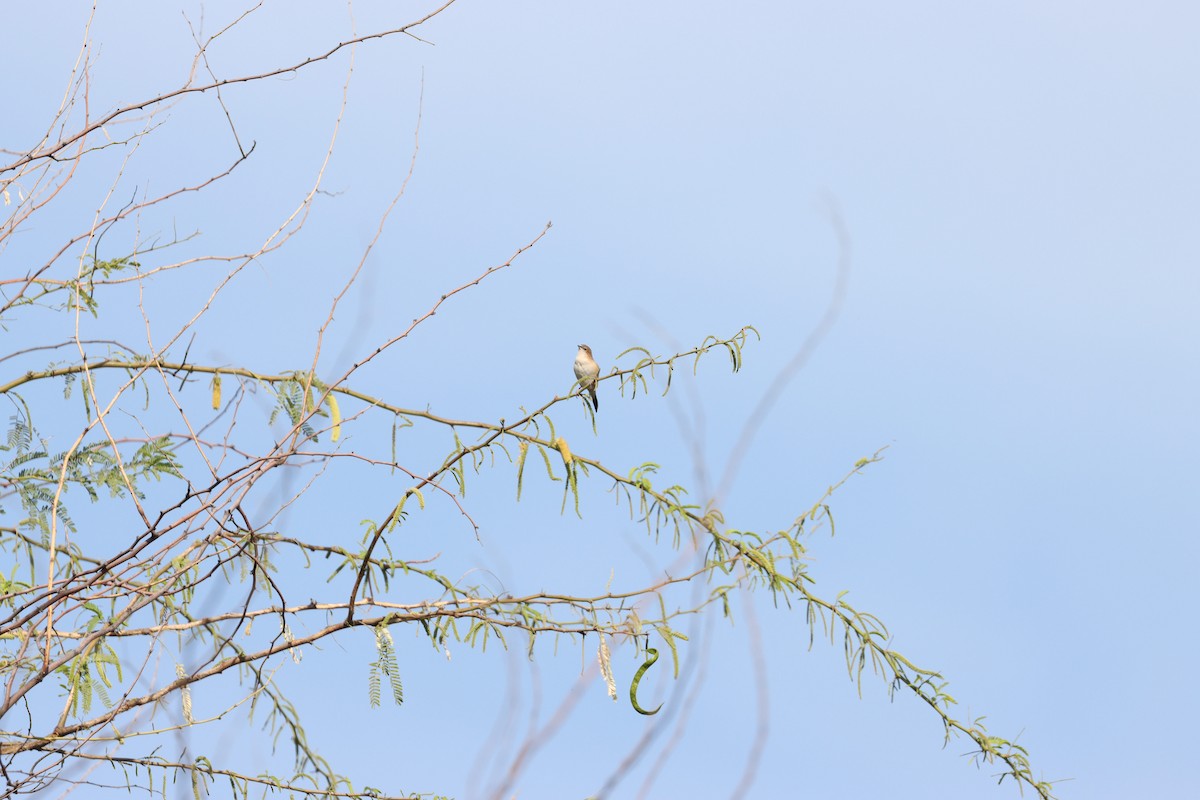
pixel 586 372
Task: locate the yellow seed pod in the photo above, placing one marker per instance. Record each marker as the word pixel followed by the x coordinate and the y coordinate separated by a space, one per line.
pixel 216 392
pixel 335 416
pixel 561 444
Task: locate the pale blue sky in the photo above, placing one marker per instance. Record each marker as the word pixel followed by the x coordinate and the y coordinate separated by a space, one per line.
pixel 1021 185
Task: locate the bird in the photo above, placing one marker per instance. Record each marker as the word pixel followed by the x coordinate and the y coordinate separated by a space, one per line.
pixel 586 372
